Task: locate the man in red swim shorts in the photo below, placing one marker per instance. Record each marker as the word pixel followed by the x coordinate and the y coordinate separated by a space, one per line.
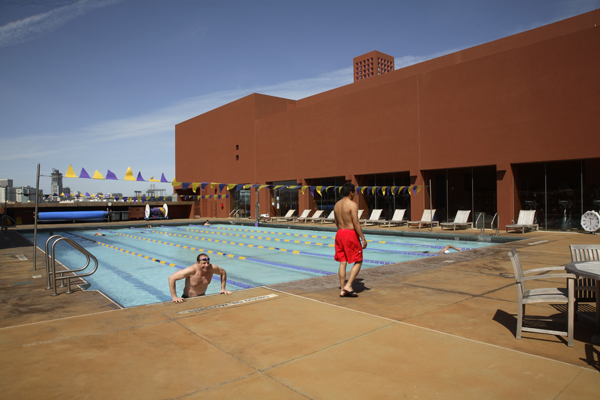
pixel 348 248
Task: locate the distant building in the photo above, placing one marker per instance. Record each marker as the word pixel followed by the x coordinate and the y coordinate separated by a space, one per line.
pixel 6 183
pixel 372 64
pixel 25 194
pixel 57 185
pixel 6 191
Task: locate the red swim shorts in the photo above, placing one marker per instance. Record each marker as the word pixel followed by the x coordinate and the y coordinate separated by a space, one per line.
pixel 347 246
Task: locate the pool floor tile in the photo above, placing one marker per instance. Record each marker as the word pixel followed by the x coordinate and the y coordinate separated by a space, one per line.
pixel 151 362
pixel 403 361
pixel 265 334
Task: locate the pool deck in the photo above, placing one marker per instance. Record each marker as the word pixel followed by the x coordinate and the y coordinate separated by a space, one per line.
pixel 441 327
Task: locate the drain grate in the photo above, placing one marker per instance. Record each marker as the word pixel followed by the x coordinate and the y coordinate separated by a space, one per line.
pixel 21 257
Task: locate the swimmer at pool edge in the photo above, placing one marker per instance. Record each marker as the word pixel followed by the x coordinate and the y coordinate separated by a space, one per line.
pixel 197 278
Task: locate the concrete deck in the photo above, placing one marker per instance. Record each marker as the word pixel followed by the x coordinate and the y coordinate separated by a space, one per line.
pixel 442 327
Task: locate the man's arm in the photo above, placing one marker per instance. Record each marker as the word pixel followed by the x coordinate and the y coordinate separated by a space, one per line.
pixel 223 273
pixel 356 224
pixel 184 273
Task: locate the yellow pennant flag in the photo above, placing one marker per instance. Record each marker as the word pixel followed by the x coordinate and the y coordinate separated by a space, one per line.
pixel 213 185
pixel 363 189
pixel 277 187
pixel 262 187
pixel 70 173
pixel 383 189
pixel 319 190
pixel 400 189
pixel 293 187
pixel 129 175
pixel 175 183
pixel 248 186
pixel 394 190
pixel 418 189
pixel 231 186
pixel 304 189
pixel 195 186
pixel 97 175
pixel 154 180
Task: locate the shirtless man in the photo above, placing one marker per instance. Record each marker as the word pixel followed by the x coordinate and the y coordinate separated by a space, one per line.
pixel 348 248
pixel 197 277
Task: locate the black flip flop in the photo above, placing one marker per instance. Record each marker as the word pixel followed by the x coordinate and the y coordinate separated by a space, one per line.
pixel 349 294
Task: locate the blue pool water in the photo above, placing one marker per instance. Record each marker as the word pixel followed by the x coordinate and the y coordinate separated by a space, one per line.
pixel 135 263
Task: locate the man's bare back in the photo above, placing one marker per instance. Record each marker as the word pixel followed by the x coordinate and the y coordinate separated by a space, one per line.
pixel 344 210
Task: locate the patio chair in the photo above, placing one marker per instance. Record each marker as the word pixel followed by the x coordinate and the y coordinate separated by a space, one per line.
pixel 373 219
pixel 543 295
pixel 330 218
pixel 316 216
pixel 286 217
pixel 460 221
pixel 426 219
pixel 525 221
pixel 397 219
pixel 302 216
pixel 585 288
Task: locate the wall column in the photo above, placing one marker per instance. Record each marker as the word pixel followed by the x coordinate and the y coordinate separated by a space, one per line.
pixel 418 201
pixel 506 192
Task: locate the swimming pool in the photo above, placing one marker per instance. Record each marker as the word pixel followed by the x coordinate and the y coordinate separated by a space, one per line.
pixel 135 263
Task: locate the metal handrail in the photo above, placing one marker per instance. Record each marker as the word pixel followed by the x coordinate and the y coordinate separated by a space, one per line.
pixel 497 226
pixel 482 231
pixel 51 265
pixel 4 224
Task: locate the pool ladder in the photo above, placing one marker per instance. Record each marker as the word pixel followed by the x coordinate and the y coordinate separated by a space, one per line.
pixel 482 231
pixel 51 264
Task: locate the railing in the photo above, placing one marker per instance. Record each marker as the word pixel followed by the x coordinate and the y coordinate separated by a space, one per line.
pixel 51 264
pixel 482 231
pixel 497 225
pixel 235 214
pixel 5 219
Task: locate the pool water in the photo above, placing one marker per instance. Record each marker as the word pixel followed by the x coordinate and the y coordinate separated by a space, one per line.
pixel 135 263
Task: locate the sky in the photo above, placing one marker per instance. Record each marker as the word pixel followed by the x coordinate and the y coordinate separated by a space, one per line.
pixel 101 84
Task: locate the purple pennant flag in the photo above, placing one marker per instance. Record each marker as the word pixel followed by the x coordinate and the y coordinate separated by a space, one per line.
pixel 185 185
pixel 84 174
pixel 163 179
pixel 239 187
pixel 87 194
pixel 144 199
pixel 139 177
pixel 111 175
pixel 203 185
pixel 222 186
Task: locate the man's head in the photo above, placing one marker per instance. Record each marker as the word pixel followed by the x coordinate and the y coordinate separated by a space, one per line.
pixel 347 189
pixel 203 260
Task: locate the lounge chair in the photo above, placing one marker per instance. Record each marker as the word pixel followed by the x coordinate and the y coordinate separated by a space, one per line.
pixel 373 219
pixel 426 219
pixel 330 218
pixel 286 217
pixel 397 219
pixel 460 221
pixel 360 213
pixel 316 216
pixel 302 216
pixel 543 295
pixel 525 221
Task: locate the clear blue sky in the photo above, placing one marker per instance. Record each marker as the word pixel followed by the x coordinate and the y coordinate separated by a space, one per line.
pixel 100 84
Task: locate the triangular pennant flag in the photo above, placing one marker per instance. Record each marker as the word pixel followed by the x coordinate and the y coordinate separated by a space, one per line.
pixel 185 185
pixel 213 185
pixel 87 194
pixel 98 175
pixel 418 189
pixel 319 188
pixel 111 175
pixel 231 186
pixel 222 186
pixel 163 179
pixel 293 187
pixel 129 175
pixel 254 186
pixel 247 186
pixel 262 187
pixel 277 187
pixel 70 173
pixel 239 187
pixel 362 189
pixel 203 185
pixel 383 190
pixel 393 190
pixel 139 177
pixel 153 180
pixel 304 189
pixel 195 186
pixel 84 174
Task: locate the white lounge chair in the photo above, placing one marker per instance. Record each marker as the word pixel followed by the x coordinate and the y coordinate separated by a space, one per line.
pixel 460 221
pixel 373 219
pixel 316 216
pixel 330 218
pixel 360 213
pixel 426 219
pixel 525 221
pixel 286 217
pixel 397 219
pixel 302 216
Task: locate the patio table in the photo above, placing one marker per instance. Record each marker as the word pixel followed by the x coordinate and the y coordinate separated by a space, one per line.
pixel 589 269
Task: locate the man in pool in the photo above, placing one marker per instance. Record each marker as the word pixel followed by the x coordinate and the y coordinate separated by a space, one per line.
pixel 197 277
pixel 348 248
